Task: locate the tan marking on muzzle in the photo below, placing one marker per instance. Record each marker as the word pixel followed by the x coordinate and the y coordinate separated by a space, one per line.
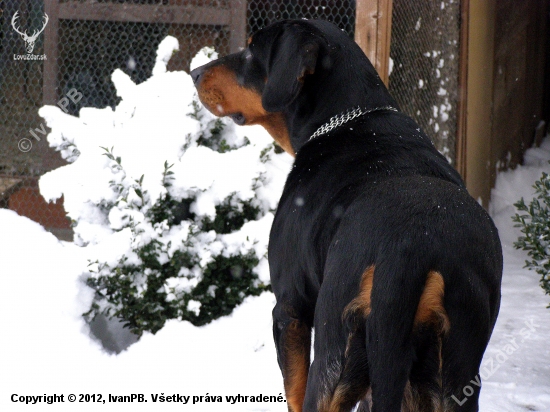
pixel 222 95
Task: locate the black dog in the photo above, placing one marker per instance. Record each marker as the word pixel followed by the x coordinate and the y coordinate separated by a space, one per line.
pixel 376 242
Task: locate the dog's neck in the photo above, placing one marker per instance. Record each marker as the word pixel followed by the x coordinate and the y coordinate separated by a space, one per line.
pixel 345 117
pixel 316 105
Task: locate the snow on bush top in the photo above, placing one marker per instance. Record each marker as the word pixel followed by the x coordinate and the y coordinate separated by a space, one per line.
pixel 161 177
pixel 152 124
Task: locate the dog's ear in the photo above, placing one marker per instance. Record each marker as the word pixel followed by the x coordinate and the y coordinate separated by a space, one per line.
pixel 293 57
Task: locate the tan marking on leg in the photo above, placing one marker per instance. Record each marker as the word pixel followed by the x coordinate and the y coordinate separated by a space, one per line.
pixel 339 399
pixel 296 365
pixel 410 401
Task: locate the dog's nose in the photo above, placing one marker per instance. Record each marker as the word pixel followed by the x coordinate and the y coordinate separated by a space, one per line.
pixel 197 74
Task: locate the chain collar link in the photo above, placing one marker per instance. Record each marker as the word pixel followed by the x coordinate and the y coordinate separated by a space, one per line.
pixel 343 118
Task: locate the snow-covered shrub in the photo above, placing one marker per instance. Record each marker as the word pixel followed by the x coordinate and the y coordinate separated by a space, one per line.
pixel 172 205
pixel 535 225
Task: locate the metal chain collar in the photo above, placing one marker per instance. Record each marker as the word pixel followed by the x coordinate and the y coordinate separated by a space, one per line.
pixel 343 118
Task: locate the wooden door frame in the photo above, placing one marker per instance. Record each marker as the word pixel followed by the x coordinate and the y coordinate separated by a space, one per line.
pixel 461 127
pixel 474 147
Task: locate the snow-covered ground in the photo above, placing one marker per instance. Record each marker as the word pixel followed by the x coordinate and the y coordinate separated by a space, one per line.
pixel 518 358
pixel 46 348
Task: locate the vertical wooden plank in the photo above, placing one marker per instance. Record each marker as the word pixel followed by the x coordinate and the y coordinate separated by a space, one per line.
pixel 479 121
pixel 384 38
pixel 51 40
pixel 237 38
pixel 461 147
pixel 537 43
pixel 373 33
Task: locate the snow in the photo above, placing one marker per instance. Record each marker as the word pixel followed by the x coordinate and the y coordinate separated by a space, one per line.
pixel 47 348
pixel 166 49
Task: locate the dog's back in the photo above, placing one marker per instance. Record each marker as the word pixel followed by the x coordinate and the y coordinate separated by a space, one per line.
pixel 399 266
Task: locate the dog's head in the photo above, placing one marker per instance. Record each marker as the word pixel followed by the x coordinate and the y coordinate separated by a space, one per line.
pixel 283 79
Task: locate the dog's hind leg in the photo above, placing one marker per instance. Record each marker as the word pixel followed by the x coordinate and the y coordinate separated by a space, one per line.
pixel 338 378
pixel 348 385
pixel 353 383
pixel 293 342
pixel 463 348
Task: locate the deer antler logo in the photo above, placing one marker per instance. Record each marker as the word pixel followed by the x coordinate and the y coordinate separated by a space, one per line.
pixel 30 40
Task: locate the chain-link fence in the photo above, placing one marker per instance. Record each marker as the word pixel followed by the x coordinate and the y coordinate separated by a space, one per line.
pixel 81 42
pixel 264 12
pixel 425 62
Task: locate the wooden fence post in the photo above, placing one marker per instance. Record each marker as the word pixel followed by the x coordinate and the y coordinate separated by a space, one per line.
pixel 373 33
pixel 237 37
pixel 51 39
